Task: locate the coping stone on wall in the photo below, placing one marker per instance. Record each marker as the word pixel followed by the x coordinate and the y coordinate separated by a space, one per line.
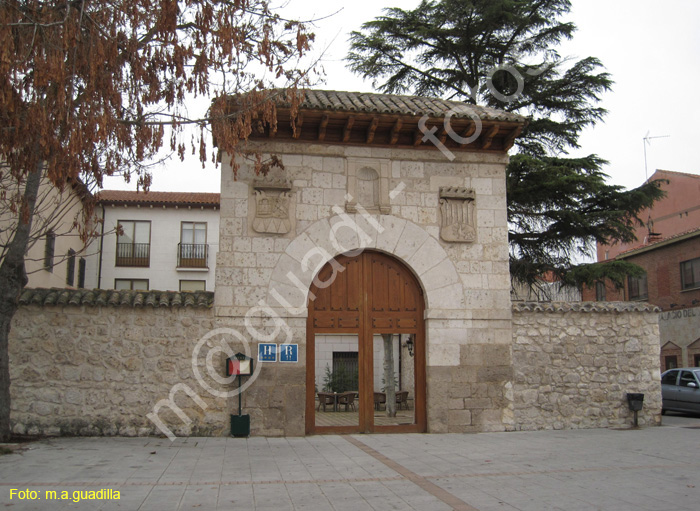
pixel 522 306
pixel 116 298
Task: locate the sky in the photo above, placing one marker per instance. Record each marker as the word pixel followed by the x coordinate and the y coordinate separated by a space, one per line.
pixel 651 49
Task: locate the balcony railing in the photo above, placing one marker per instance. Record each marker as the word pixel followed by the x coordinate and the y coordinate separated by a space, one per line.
pixel 133 254
pixel 192 255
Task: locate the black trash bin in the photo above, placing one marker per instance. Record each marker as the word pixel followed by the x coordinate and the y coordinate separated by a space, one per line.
pixel 240 425
pixel 635 401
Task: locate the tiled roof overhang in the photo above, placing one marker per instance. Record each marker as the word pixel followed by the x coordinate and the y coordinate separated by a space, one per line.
pixel 387 120
pixel 125 197
pixel 111 297
pixel 584 307
pixel 676 238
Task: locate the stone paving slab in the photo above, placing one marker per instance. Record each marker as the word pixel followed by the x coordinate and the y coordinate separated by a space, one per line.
pixel 647 469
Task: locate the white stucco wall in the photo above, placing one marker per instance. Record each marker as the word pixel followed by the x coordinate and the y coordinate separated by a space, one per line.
pixel 59 210
pixel 163 273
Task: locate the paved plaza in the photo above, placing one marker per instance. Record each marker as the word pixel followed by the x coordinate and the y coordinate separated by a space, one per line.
pixel 600 469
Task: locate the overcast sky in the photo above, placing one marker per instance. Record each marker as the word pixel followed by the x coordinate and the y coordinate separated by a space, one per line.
pixel 651 49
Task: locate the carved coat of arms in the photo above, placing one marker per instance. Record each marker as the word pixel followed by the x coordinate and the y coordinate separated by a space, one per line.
pixel 272 208
pixel 457 215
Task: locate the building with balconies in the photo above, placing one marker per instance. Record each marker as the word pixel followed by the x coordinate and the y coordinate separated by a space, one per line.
pixel 157 240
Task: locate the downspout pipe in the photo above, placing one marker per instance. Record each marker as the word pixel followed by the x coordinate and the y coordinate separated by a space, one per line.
pixel 102 237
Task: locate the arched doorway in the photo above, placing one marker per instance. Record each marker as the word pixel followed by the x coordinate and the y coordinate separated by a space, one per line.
pixel 365 356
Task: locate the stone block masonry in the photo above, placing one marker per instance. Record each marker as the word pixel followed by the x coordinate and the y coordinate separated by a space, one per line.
pixel 91 369
pixel 574 364
pixel 99 369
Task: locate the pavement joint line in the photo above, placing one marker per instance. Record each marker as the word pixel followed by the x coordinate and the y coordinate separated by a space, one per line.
pixel 436 491
pixel 405 474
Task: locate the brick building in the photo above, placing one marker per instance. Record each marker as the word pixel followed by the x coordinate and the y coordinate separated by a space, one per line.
pixel 668 249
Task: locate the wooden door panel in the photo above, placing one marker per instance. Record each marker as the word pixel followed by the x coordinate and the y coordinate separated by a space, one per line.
pixel 374 294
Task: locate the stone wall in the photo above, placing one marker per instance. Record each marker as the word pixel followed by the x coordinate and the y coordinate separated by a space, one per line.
pixel 575 363
pixel 100 369
pixel 85 366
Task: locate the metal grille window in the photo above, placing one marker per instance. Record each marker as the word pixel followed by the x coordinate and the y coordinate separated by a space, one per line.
pixel 690 274
pixel 345 369
pixel 133 243
pixel 637 288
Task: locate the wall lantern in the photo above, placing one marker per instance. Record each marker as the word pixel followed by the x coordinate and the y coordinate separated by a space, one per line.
pixel 409 344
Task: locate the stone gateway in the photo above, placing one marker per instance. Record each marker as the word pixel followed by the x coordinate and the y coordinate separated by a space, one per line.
pixel 380 249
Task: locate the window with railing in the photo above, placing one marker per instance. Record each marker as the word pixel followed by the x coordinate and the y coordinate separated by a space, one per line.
pixel 133 243
pixel 193 250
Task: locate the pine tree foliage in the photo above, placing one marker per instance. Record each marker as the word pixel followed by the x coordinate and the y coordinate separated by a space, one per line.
pixel 503 54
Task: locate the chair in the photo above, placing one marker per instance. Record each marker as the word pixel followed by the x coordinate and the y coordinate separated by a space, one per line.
pixel 347 399
pixel 402 399
pixel 325 398
pixel 379 399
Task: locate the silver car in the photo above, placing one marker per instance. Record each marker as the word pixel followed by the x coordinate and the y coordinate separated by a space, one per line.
pixel 680 390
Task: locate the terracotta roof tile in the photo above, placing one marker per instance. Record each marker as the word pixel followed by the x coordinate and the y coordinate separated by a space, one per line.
pixel 584 307
pixel 662 241
pixel 165 198
pixel 111 297
pixel 415 106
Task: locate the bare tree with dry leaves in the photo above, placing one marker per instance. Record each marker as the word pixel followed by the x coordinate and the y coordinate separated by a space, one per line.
pixel 92 89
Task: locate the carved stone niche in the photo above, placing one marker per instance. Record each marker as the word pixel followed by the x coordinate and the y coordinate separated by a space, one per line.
pixel 272 201
pixel 368 185
pixel 457 214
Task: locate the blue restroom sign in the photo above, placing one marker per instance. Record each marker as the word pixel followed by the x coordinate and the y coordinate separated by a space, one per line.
pixel 289 353
pixel 267 352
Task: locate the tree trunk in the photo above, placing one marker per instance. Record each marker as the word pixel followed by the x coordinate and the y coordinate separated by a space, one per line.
pixel 13 278
pixel 389 383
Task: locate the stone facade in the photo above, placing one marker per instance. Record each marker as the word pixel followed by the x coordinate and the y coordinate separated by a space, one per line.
pixel 108 363
pixel 99 370
pixel 466 285
pixel 574 364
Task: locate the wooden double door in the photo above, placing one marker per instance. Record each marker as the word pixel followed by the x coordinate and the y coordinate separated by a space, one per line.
pixel 365 336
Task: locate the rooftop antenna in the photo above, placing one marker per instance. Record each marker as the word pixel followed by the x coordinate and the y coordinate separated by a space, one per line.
pixel 645 141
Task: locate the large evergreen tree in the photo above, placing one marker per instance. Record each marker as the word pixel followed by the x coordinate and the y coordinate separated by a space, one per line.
pixel 502 53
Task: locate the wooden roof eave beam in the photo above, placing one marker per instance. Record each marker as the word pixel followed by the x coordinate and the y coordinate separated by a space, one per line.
pixel 371 129
pixel 347 130
pixel 322 128
pixel 395 131
pixel 510 139
pixel 488 136
pixel 296 127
